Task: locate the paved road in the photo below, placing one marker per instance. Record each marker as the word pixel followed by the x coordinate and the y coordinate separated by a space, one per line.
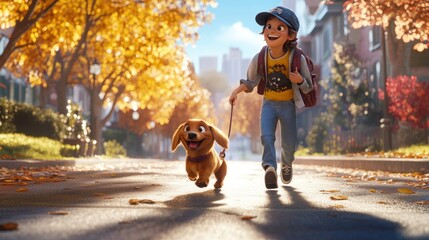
pixel 91 201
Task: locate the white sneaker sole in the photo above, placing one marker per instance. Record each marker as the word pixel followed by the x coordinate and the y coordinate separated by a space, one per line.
pixel 270 179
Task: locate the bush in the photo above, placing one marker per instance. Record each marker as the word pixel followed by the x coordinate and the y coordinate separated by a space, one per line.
pixel 30 120
pixel 114 149
pixel 317 135
pixel 19 146
pixel 6 116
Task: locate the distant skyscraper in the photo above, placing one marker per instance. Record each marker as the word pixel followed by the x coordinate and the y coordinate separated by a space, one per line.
pixel 232 66
pixel 208 63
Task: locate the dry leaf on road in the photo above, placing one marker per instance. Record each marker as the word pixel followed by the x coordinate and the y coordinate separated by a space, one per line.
pixel 339 197
pixel 22 189
pixel 247 217
pixel 405 191
pixel 58 213
pixel 133 201
pixel 146 201
pixel 10 226
pixel 329 191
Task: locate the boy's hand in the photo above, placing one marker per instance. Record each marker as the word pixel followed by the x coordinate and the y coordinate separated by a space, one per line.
pixel 296 77
pixel 233 98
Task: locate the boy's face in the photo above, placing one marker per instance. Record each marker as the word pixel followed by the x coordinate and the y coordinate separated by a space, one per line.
pixel 276 33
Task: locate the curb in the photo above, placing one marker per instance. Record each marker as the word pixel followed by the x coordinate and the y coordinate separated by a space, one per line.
pixel 396 165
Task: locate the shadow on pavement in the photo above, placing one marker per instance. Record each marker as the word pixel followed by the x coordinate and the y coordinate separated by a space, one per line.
pixel 302 220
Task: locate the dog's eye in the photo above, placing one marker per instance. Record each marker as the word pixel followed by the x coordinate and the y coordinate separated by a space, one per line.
pixel 202 129
pixel 187 128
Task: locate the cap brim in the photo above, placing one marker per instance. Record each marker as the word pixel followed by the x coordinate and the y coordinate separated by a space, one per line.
pixel 261 18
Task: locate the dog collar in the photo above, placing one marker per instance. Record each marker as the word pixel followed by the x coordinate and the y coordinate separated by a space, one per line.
pixel 199 158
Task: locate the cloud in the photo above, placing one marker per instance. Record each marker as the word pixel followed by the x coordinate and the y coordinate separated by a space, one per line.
pixel 240 36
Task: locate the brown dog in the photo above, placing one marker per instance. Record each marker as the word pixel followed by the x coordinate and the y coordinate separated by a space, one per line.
pixel 202 160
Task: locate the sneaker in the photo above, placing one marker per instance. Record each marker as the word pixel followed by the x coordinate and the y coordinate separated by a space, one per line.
pixel 270 178
pixel 286 173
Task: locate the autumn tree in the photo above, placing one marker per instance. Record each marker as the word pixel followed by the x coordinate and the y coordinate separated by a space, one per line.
pixel 405 20
pixel 20 16
pixel 409 101
pixel 347 92
pixel 144 63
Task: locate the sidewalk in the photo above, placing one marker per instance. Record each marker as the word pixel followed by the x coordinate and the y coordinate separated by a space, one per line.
pixel 402 165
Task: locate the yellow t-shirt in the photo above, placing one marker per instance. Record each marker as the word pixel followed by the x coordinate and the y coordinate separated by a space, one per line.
pixel 279 86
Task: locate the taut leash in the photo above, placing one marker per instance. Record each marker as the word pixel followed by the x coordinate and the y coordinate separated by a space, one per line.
pixel 222 154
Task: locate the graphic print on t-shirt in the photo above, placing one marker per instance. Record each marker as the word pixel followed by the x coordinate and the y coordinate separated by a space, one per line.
pixel 277 80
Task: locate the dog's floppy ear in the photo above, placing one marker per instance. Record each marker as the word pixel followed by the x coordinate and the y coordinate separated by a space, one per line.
pixel 219 136
pixel 175 139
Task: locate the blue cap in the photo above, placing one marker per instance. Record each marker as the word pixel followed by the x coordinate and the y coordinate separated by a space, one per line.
pixel 284 14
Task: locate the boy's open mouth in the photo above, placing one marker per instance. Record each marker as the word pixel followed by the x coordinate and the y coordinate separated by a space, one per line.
pixel 273 37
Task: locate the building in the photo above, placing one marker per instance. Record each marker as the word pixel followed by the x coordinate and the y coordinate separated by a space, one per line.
pixel 208 63
pixel 232 66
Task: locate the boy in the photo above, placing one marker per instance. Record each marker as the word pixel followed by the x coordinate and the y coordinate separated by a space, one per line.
pixel 280 92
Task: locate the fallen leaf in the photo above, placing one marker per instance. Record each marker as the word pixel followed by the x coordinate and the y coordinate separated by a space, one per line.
pixel 58 213
pixel 22 189
pixel 329 191
pixel 337 206
pixel 339 197
pixel 10 226
pixel 372 190
pixel 405 191
pixel 146 201
pixel 133 201
pixel 99 194
pixel 125 222
pixel 247 217
pixel 382 202
pixel 426 202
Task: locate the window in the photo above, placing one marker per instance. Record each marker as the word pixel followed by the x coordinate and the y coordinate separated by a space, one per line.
pixel 346 30
pixel 375 35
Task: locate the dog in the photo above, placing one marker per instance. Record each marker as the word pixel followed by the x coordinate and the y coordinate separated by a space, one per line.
pixel 202 160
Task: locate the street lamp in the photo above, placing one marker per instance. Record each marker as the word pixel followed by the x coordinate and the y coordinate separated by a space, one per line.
pixel 385 122
pixel 94 69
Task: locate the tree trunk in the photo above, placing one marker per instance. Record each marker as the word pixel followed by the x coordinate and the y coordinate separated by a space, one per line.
pixel 96 122
pixel 398 54
pixel 43 97
pixel 61 88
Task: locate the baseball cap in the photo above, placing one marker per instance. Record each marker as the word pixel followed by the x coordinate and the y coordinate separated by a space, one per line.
pixel 284 14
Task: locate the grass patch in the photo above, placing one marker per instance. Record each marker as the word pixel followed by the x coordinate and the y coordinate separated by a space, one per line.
pixel 20 146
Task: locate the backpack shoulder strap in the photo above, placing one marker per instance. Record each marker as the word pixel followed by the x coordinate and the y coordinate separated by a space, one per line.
pixel 296 59
pixel 261 61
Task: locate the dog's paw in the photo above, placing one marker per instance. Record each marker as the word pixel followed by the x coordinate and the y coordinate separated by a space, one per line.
pixel 218 184
pixel 201 184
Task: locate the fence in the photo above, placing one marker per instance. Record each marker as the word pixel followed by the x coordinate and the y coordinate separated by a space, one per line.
pixel 354 140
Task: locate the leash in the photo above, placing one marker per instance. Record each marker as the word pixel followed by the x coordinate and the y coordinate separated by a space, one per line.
pixel 222 154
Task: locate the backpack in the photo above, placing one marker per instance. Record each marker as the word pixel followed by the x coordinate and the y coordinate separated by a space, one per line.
pixel 310 98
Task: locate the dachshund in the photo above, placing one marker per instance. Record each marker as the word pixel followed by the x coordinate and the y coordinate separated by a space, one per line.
pixel 202 160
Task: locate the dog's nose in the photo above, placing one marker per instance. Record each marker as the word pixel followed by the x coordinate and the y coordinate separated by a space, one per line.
pixel 192 135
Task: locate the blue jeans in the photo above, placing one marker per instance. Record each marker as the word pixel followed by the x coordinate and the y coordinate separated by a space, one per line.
pixel 271 113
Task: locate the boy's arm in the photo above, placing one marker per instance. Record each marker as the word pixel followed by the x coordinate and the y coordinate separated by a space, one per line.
pixel 307 85
pixel 253 76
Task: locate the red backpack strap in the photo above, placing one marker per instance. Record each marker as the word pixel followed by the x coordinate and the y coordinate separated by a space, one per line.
pixel 296 60
pixel 261 70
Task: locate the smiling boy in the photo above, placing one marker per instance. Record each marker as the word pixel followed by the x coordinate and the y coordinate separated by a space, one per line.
pixel 280 90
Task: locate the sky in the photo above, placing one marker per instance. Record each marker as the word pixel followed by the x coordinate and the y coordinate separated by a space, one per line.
pixel 233 25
